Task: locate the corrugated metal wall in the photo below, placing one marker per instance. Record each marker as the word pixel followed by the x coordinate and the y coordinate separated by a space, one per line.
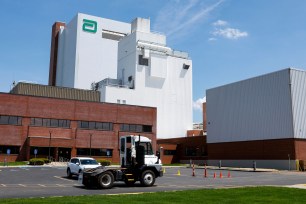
pixel 254 109
pixel 298 90
pixel 56 92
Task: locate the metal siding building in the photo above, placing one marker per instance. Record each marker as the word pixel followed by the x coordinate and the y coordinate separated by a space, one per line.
pixel 262 118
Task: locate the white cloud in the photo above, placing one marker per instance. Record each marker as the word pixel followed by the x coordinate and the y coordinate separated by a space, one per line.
pixel 230 33
pixel 212 39
pixel 220 23
pixel 198 104
pixel 177 17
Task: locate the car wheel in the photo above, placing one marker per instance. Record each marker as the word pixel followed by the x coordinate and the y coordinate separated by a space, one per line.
pixel 69 175
pixel 147 178
pixel 106 180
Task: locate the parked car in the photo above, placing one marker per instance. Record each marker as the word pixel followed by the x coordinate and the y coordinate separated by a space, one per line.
pixel 77 164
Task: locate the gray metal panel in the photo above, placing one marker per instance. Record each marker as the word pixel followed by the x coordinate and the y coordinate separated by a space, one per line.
pixel 254 109
pixel 298 91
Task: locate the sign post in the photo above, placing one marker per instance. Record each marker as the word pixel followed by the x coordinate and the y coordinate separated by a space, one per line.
pixel 8 152
pixel 35 152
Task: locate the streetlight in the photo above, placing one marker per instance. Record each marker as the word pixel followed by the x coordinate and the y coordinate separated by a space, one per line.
pixel 49 144
pixel 90 134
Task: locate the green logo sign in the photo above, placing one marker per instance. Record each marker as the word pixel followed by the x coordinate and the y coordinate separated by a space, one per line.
pixel 89 26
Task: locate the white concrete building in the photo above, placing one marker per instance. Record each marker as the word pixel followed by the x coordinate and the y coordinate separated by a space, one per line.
pixel 87 50
pixel 137 67
pixel 152 74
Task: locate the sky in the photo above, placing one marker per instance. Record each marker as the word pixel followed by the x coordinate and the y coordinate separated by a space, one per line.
pixel 227 40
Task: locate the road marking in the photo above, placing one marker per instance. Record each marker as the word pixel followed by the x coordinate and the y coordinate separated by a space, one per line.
pixel 41 185
pixel 60 185
pixel 65 179
pixel 3 185
pixel 22 185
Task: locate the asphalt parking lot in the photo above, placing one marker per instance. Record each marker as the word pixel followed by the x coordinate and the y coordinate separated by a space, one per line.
pixel 19 182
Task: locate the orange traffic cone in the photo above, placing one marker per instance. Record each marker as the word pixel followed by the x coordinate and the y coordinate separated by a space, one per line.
pixel 229 174
pixel 220 174
pixel 215 175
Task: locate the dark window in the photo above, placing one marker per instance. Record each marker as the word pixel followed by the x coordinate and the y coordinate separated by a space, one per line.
pixel 13 149
pixel 135 128
pixel 92 125
pixel 169 152
pixel 46 122
pixel 95 125
pixel 124 127
pixel 191 151
pixel 143 61
pixel 132 128
pixel 84 124
pixel 10 120
pixel 94 152
pixel 106 126
pixel 54 122
pixel 4 120
pixel 147 128
pixel 138 128
pixel 99 126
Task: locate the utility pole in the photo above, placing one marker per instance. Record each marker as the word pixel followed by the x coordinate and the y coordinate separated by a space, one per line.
pixel 49 144
pixel 90 134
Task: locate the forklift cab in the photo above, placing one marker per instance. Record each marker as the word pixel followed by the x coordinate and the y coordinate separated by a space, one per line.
pixel 133 150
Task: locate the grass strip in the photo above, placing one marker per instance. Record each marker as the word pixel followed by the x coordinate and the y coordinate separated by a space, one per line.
pixel 269 195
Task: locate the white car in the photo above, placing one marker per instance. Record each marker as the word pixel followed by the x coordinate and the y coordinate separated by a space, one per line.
pixel 77 164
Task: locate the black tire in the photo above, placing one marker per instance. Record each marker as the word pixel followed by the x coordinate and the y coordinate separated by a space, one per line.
pixel 106 180
pixel 147 178
pixel 69 174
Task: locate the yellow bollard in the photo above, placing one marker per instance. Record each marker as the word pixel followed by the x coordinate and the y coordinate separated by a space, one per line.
pixel 164 170
pixel 178 173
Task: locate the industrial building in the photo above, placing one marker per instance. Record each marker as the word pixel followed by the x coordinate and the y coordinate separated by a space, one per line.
pixel 127 64
pixel 60 123
pixel 260 120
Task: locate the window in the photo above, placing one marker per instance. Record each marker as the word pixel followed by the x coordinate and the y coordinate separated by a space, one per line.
pixel 54 122
pixel 143 61
pixel 10 120
pixel 94 152
pixel 135 128
pixel 169 152
pixel 147 128
pixel 46 122
pixel 191 151
pixel 13 149
pixel 91 125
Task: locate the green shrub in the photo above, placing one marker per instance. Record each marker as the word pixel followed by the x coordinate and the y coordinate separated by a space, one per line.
pixel 37 161
pixel 104 162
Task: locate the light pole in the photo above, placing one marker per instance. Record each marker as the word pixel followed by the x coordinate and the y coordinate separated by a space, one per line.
pixel 90 134
pixel 49 144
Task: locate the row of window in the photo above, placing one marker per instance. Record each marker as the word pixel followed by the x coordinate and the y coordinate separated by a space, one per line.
pixel 10 120
pixel 94 152
pixel 135 128
pixel 9 149
pixel 95 125
pixel 47 122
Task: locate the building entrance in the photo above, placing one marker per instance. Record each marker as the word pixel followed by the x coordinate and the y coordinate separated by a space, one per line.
pixel 64 154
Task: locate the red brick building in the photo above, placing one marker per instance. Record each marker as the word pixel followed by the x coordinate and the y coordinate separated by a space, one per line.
pixel 62 128
pixel 183 149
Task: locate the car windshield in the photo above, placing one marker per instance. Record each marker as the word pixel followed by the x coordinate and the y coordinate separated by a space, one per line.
pixel 88 162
